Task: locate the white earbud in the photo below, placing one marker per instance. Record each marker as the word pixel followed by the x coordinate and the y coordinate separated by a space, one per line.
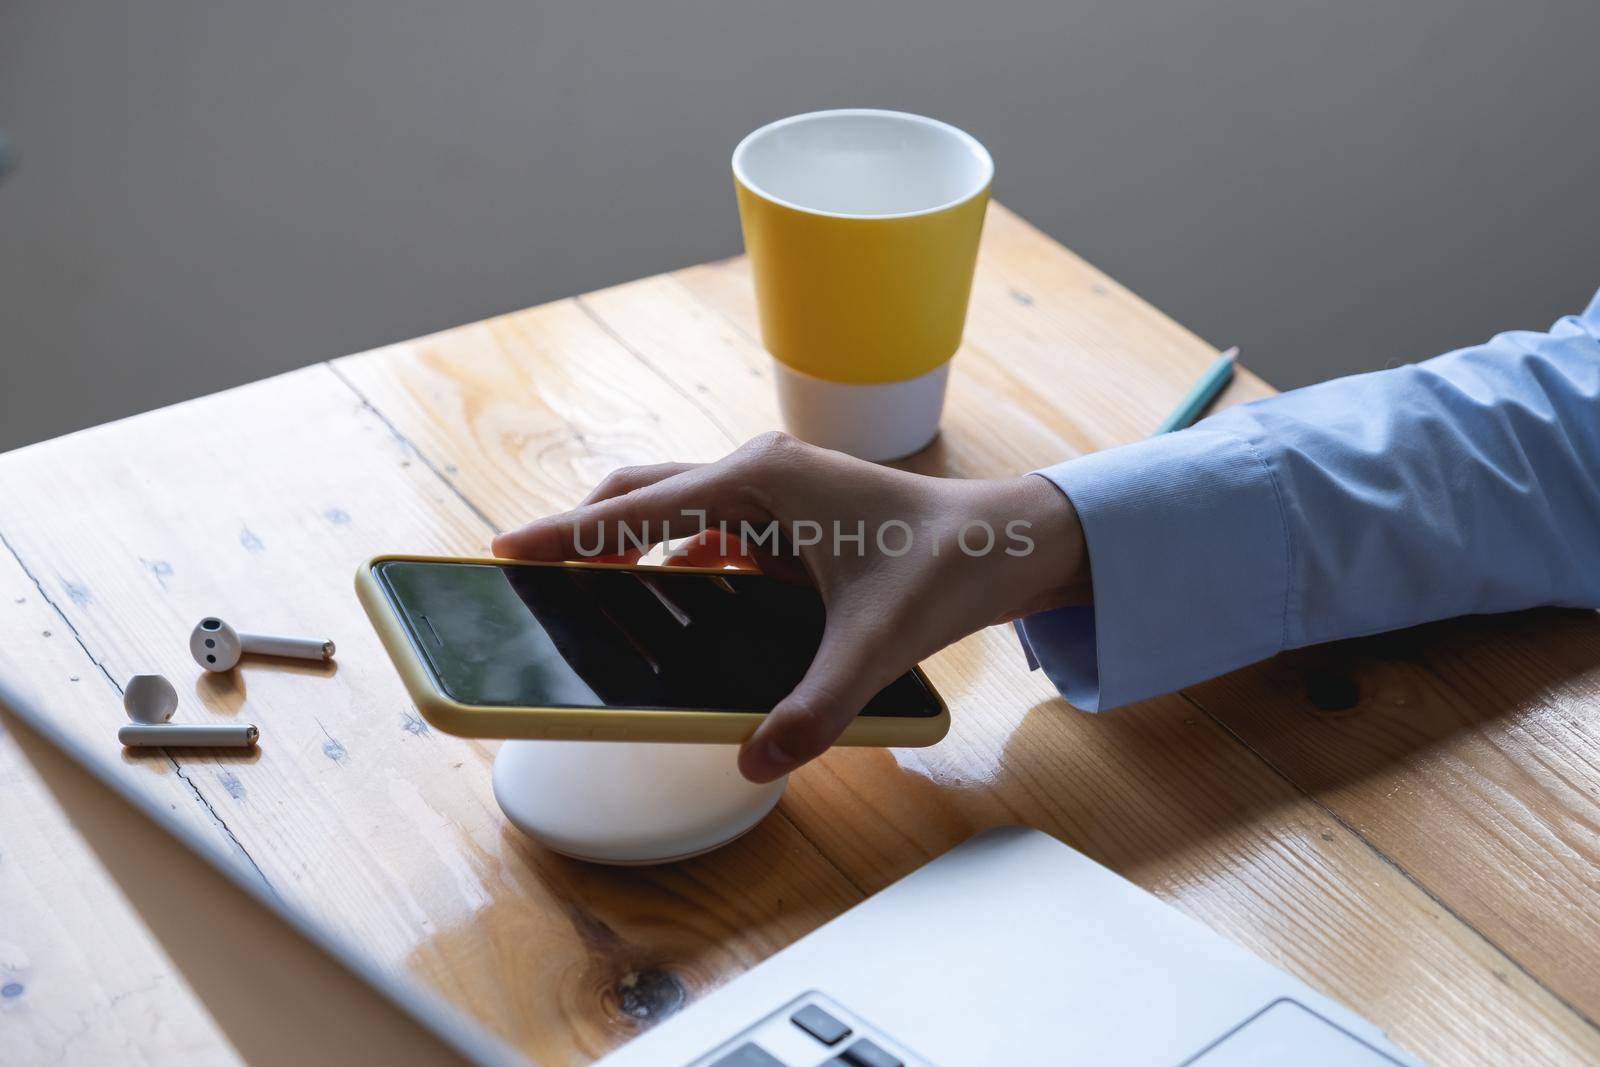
pixel 150 700
pixel 216 646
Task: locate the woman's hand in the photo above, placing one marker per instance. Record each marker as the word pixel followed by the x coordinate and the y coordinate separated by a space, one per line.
pixel 905 564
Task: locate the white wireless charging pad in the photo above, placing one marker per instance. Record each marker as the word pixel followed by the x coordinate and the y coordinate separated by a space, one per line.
pixel 628 803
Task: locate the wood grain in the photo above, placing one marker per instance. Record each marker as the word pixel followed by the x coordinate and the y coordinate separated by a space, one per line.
pixel 1159 792
pixel 1364 853
pixel 352 807
pixel 1470 752
pixel 81 980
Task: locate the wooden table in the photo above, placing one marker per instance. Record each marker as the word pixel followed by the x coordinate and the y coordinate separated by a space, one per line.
pixel 1409 823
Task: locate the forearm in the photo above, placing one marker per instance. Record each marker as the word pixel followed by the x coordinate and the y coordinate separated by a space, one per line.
pixel 1467 484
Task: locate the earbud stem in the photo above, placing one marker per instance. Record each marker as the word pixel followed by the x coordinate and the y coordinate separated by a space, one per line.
pixel 292 647
pixel 179 735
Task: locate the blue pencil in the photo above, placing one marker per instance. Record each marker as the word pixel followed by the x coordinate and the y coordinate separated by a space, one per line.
pixel 1212 382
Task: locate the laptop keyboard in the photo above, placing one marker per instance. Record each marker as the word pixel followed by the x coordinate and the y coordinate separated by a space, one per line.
pixel 811 1031
pixel 816 1031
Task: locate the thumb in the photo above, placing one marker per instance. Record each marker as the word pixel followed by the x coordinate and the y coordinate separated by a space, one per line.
pixel 841 679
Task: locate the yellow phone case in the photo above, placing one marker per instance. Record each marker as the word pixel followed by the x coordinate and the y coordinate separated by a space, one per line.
pixel 600 724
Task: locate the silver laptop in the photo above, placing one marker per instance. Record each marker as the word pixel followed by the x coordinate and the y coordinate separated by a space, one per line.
pixel 1010 949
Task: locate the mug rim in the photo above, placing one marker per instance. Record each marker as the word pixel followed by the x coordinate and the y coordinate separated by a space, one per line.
pixel 971 142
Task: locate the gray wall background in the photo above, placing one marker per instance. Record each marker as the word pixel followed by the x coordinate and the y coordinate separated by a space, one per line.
pixel 211 192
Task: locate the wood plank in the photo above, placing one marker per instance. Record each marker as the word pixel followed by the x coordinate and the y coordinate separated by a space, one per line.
pixel 259 504
pixel 1159 792
pixel 81 978
pixel 550 400
pixel 1470 751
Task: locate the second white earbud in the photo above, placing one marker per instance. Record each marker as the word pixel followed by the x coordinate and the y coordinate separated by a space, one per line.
pixel 216 646
pixel 150 700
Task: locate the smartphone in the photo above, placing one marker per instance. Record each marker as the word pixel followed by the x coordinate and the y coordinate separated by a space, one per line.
pixel 493 648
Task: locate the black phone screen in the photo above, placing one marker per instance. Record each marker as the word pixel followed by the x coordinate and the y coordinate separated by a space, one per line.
pixel 652 638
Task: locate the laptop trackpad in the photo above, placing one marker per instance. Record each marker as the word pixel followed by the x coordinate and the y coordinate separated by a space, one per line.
pixel 1288 1032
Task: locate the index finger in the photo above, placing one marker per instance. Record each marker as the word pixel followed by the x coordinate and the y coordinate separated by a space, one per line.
pixel 676 506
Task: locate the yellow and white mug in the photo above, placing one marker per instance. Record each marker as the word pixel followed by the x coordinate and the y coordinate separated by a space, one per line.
pixel 862 230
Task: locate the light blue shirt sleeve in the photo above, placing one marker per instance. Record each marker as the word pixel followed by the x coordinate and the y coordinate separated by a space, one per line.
pixel 1467 484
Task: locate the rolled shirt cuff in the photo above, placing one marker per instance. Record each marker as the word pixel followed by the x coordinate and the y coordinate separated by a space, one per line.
pixel 1189 557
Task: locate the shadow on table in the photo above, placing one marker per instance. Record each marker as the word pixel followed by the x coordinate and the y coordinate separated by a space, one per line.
pixel 1168 779
pixel 1162 792
pixel 1332 716
pixel 134 757
pixel 224 691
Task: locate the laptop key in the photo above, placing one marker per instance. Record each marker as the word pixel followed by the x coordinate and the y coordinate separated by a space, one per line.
pixel 865 1054
pixel 749 1054
pixel 820 1025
